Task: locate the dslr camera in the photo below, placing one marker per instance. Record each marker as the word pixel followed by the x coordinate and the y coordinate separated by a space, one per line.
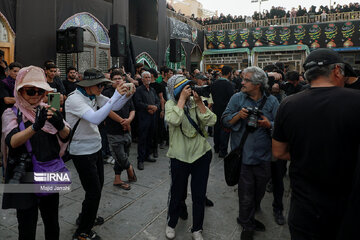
pixel 254 116
pixel 203 91
pixel 20 166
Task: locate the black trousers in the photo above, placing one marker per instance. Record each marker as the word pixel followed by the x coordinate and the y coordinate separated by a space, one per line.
pixel 105 148
pixel 49 210
pixel 221 138
pixel 278 171
pixel 251 190
pixel 146 134
pixel 180 171
pixel 91 172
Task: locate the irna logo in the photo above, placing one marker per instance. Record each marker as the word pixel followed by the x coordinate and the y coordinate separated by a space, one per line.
pixel 51 177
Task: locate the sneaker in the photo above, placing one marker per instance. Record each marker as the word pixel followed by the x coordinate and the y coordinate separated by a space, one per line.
pixel 279 217
pixel 140 166
pixel 197 235
pixel 83 236
pixel 170 232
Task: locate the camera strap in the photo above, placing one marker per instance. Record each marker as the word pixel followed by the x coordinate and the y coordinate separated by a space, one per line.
pixel 192 122
pixel 247 131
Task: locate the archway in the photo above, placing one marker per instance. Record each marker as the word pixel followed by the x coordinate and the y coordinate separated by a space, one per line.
pixel 146 59
pixel 196 57
pixel 96 52
pixel 7 39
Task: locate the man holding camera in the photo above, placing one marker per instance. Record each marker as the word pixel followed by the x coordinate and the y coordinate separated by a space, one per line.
pixel 252 112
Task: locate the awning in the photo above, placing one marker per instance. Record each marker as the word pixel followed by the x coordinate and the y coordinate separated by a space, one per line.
pixel 282 48
pixel 226 51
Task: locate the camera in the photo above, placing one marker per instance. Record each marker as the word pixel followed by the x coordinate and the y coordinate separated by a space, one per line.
pixel 254 115
pixel 203 91
pixel 20 167
pixel 130 87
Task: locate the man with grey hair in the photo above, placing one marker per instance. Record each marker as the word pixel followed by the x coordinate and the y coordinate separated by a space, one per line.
pixel 146 104
pixel 252 131
pixel 318 130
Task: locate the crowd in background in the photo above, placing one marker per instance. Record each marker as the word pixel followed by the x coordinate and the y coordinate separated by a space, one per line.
pixel 275 13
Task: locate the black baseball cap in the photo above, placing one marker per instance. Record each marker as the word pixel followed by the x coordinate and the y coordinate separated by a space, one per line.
pixel 326 56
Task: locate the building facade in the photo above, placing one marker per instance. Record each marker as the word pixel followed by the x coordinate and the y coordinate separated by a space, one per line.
pixel 28 32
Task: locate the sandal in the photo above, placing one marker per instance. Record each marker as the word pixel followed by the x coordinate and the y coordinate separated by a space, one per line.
pixel 123 185
pixel 134 178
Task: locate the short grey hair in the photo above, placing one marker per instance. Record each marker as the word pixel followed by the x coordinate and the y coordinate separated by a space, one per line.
pixel 145 73
pixel 258 76
pixel 322 71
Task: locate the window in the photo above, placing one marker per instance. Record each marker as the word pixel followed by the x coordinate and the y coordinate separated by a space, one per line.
pixel 3 33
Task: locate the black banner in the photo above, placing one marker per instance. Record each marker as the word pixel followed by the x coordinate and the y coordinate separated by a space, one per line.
pixel 322 35
pixel 183 31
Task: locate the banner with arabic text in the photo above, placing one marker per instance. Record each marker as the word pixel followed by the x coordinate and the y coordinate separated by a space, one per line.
pixel 316 35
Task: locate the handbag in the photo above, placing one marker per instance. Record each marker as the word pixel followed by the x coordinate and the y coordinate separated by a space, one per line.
pixel 232 161
pixel 41 169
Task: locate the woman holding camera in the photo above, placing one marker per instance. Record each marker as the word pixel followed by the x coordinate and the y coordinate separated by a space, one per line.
pixel 47 133
pixel 189 152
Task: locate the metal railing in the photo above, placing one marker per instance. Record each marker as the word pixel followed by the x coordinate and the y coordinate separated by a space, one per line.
pixel 333 17
pixel 184 19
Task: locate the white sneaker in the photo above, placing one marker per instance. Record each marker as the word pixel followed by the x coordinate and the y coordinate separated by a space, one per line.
pixel 170 232
pixel 197 235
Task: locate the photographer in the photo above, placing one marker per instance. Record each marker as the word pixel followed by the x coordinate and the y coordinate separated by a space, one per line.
pixel 189 152
pixel 47 134
pixel 87 107
pixel 292 84
pixel 256 156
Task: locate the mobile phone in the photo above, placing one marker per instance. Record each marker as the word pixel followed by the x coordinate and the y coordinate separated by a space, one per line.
pixel 54 100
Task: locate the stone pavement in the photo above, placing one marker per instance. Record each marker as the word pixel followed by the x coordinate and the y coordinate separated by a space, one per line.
pixel 140 214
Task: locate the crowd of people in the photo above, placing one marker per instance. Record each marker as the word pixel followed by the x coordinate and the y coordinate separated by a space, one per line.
pixel 276 13
pixel 275 114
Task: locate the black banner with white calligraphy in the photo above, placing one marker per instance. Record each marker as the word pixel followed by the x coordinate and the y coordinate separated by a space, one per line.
pixel 316 35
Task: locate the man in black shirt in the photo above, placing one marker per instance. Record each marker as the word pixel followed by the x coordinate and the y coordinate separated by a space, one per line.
pixel 160 113
pixel 7 85
pixel 70 82
pixel 146 103
pixel 221 90
pixel 118 134
pixel 54 82
pixel 318 130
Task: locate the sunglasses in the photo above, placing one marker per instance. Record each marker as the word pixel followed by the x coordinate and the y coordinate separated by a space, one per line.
pixel 101 85
pixel 32 92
